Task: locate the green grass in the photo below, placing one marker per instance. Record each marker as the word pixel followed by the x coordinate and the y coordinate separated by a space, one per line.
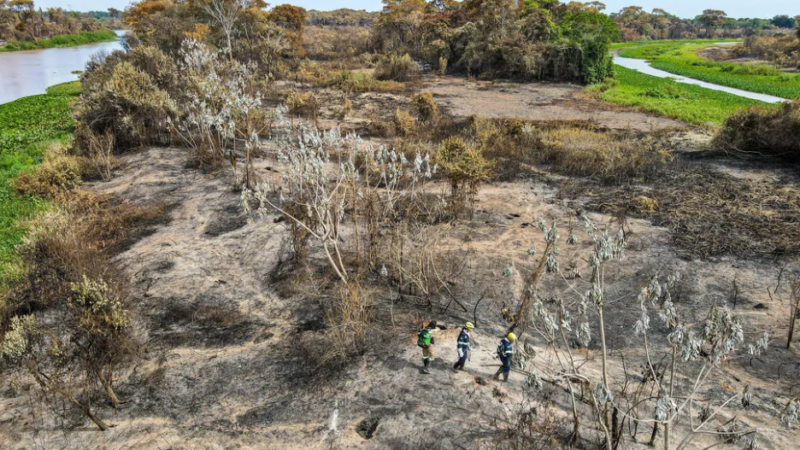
pixel 681 58
pixel 638 44
pixel 685 102
pixel 27 126
pixel 65 40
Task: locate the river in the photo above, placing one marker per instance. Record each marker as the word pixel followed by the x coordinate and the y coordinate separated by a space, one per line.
pixel 30 72
pixel 644 66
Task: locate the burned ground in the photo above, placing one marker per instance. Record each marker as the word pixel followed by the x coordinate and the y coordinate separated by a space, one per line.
pixel 232 350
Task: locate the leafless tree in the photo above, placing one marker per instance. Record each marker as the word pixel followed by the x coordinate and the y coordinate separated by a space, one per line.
pixel 226 13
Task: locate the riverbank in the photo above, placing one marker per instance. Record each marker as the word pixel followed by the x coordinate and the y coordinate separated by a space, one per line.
pixel 682 58
pixel 63 41
pixel 663 96
pixel 27 127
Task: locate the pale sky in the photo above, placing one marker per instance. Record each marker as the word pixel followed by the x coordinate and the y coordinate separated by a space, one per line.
pixel 682 8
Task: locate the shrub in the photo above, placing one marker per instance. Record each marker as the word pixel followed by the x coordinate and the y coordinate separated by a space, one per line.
pixel 427 109
pixel 403 122
pixel 347 108
pixel 442 65
pixel 128 103
pixel 763 131
pixel 58 173
pixel 302 104
pixel 397 68
pixel 601 155
pixel 465 168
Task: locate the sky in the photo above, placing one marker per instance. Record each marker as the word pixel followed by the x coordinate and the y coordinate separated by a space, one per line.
pixel 682 8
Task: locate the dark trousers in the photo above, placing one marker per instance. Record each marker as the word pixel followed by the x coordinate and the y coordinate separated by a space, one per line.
pixel 504 369
pixel 462 359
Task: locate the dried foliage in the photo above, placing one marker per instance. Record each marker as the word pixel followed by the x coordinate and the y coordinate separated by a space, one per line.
pixel 129 95
pixel 404 124
pixel 58 173
pixel 666 395
pixel 427 109
pixel 69 324
pixel 602 156
pixel 783 51
pixel 397 68
pixel 763 132
pixel 465 168
pixel 335 43
pixel 713 214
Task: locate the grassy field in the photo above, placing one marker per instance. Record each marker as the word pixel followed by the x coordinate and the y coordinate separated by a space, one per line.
pixel 681 58
pixel 66 40
pixel 663 96
pixel 27 126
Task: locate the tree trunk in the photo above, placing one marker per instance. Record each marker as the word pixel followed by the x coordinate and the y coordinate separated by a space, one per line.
pixel 791 325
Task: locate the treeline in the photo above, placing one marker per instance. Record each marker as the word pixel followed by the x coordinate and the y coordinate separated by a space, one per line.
pixel 21 21
pixel 243 28
pixel 635 23
pixel 526 40
pixel 342 17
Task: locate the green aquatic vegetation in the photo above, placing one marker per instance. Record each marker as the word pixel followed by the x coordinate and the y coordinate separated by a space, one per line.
pixel 682 58
pixel 27 126
pixel 65 40
pixel 666 97
pixel 69 88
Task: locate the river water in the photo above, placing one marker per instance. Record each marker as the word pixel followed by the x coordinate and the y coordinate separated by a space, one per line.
pixel 644 66
pixel 30 72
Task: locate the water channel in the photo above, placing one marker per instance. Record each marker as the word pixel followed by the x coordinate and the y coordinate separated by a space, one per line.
pixel 644 66
pixel 30 72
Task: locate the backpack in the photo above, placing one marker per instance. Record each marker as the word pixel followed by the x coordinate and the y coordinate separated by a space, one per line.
pixel 424 338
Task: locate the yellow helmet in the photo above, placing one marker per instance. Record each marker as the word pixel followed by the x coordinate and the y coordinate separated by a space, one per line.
pixel 469 326
pixel 512 337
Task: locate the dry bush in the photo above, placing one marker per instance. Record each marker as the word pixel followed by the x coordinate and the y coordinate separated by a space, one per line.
pixel 465 168
pixel 713 214
pixel 404 124
pixel 347 108
pixel 58 173
pixel 604 156
pixel 397 68
pixel 427 109
pixel 380 128
pixel 510 143
pixel 442 66
pixel 75 240
pixel 355 82
pixel 763 132
pixel 99 158
pixel 781 50
pixel 129 95
pixel 349 319
pixel 303 104
pixel 78 331
pixel 335 43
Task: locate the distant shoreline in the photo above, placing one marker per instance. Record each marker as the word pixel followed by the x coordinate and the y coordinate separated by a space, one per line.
pixel 63 41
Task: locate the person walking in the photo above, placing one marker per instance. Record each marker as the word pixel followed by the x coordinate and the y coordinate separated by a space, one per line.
pixel 427 342
pixel 463 347
pixel 505 350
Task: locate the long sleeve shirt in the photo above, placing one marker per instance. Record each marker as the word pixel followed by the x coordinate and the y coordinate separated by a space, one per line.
pixel 505 349
pixel 464 340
